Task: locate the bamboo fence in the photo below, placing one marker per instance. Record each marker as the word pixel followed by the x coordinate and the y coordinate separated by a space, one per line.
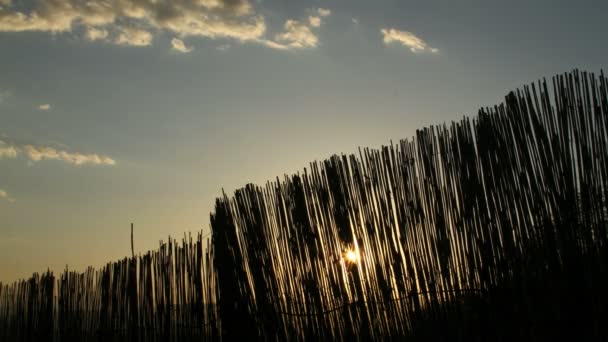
pixel 493 228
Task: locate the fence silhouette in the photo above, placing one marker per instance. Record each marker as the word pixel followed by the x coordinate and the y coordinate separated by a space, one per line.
pixel 491 228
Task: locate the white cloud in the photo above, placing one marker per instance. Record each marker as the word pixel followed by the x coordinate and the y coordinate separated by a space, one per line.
pixel 223 47
pixel 44 107
pixel 178 45
pixel 37 153
pixel 93 34
pixel 324 12
pixel 133 37
pixel 407 39
pixel 5 195
pixel 295 35
pixel 314 21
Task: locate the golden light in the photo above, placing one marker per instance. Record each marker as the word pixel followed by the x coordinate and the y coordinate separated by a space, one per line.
pixel 351 256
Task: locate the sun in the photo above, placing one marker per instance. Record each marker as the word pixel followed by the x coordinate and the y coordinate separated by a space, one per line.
pixel 351 256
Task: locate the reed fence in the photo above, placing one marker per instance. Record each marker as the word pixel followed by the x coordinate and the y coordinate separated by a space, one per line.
pixel 491 228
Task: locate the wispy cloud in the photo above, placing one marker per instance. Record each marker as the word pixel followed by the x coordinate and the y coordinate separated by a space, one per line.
pixel 44 107
pixel 324 12
pixel 133 37
pixel 297 35
pixel 37 153
pixel 7 151
pixel 408 39
pixel 314 21
pixel 93 34
pixel 4 195
pixel 179 45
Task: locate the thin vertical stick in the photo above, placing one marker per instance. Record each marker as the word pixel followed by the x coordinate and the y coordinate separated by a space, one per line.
pixel 132 250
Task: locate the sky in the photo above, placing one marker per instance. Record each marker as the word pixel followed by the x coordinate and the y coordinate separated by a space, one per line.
pixel 120 111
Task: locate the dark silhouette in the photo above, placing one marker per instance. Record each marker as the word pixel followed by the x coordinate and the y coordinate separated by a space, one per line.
pixel 486 229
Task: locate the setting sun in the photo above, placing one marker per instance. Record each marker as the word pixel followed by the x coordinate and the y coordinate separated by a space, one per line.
pixel 351 256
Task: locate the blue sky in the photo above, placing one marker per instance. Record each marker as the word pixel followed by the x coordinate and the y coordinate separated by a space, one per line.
pixel 124 111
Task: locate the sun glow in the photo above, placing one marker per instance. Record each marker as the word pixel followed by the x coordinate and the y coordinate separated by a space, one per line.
pixel 351 256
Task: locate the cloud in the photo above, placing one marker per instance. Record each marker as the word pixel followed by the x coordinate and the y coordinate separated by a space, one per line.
pixel 314 21
pixel 44 107
pixel 5 195
pixel 37 153
pixel 178 45
pixel 298 35
pixel 7 151
pixel 324 12
pixel 407 39
pixel 136 22
pixel 273 45
pixel 223 47
pixel 295 35
pixel 92 34
pixel 206 18
pixel 133 37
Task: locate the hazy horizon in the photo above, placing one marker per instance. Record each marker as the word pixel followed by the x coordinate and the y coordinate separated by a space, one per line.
pixel 118 114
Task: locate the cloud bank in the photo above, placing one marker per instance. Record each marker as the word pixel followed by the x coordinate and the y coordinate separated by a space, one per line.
pixel 407 39
pixel 136 22
pixel 209 18
pixel 38 153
